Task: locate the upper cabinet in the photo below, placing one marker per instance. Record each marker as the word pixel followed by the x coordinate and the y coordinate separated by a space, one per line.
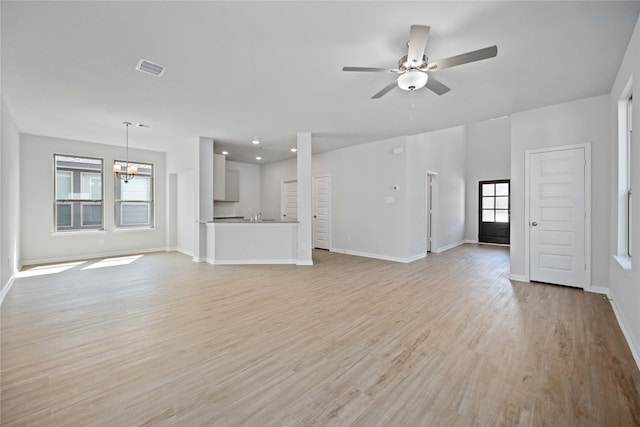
pixel 232 193
pixel 219 177
pixel 225 181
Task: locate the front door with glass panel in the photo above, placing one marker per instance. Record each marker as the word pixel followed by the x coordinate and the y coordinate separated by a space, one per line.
pixel 494 212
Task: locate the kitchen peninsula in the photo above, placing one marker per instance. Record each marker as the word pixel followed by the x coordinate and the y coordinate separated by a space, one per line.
pixel 240 241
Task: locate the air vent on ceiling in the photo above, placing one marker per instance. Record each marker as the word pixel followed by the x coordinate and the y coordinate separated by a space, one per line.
pixel 150 67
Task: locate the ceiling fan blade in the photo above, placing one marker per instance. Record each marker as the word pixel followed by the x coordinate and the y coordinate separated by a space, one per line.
pixel 476 55
pixel 437 86
pixel 417 43
pixel 370 69
pixel 386 89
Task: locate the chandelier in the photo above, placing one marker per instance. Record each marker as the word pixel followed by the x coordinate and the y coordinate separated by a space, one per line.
pixel 130 171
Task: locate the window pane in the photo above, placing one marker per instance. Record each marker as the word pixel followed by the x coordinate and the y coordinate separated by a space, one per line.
pixel 91 188
pixel 63 215
pixel 138 189
pixel 488 189
pixel 135 214
pixel 502 216
pixel 91 214
pixel 502 203
pixel 502 189
pixel 63 185
pixel 487 216
pixel 488 202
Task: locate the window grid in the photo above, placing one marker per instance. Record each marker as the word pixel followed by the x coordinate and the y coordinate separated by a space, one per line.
pixel 77 210
pixel 133 197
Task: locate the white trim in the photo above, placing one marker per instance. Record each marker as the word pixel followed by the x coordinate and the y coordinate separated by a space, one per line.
pixel 587 206
pixel 378 256
pixel 304 262
pixel 182 251
pixel 599 290
pixel 6 289
pixel 133 229
pixel 92 256
pixel 504 245
pixel 472 242
pixel 251 261
pixel 197 259
pixel 635 350
pixel 518 278
pixel 76 232
pixel 446 248
pixel 625 263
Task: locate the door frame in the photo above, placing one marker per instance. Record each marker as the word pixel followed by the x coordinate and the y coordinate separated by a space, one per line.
pixel 587 206
pixel 313 203
pixel 430 205
pixel 493 181
pixel 283 183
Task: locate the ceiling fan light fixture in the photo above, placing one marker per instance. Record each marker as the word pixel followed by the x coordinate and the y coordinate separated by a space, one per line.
pixel 412 79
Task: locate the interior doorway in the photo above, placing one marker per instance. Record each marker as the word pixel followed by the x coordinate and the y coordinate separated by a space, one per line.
pixel 494 211
pixel 289 200
pixel 322 212
pixel 429 209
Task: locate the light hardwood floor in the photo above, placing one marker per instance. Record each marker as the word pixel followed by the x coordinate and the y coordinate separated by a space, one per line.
pixel 445 341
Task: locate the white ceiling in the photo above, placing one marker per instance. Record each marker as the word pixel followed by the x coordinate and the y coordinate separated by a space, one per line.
pixel 237 70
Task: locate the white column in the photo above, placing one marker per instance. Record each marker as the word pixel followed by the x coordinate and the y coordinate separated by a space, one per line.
pixel 203 181
pixel 304 199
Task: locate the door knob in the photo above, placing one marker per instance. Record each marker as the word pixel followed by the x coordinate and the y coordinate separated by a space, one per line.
pixel 534 224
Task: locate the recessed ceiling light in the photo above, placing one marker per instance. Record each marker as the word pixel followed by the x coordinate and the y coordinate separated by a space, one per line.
pixel 255 141
pixel 258 158
pixel 294 149
pixel 224 153
pixel 149 67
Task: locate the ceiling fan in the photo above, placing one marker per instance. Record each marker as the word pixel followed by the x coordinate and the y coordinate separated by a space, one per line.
pixel 414 68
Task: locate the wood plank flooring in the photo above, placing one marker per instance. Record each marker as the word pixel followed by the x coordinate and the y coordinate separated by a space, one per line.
pixel 445 341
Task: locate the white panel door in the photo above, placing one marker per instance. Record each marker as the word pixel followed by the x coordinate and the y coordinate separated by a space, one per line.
pixel 321 212
pixel 557 217
pixel 289 201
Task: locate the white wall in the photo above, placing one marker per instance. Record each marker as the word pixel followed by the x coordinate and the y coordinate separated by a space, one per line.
pixel 442 152
pixel 487 158
pixel 577 122
pixel 249 192
pixel 624 286
pixel 185 212
pixel 39 244
pixel 271 177
pixel 9 197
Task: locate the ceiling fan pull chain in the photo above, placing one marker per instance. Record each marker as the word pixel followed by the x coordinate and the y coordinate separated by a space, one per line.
pixel 413 106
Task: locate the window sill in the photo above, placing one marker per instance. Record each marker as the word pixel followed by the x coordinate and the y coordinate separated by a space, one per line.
pixel 134 229
pixel 624 262
pixel 76 232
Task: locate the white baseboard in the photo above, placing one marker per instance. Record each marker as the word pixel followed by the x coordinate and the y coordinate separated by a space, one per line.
pixel 471 241
pixel 518 278
pixel 251 261
pixel 92 256
pixel 196 259
pixel 182 251
pixel 599 290
pixel 635 349
pixel 304 262
pixel 378 256
pixel 6 289
pixel 451 246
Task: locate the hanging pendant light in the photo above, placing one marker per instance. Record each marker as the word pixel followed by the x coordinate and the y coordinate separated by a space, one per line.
pixel 130 171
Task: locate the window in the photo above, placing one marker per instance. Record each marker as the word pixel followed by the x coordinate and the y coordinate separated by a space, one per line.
pixel 134 199
pixel 78 193
pixel 625 175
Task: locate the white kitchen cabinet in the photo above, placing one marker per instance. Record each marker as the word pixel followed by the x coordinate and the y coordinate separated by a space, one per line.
pixel 219 177
pixel 232 186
